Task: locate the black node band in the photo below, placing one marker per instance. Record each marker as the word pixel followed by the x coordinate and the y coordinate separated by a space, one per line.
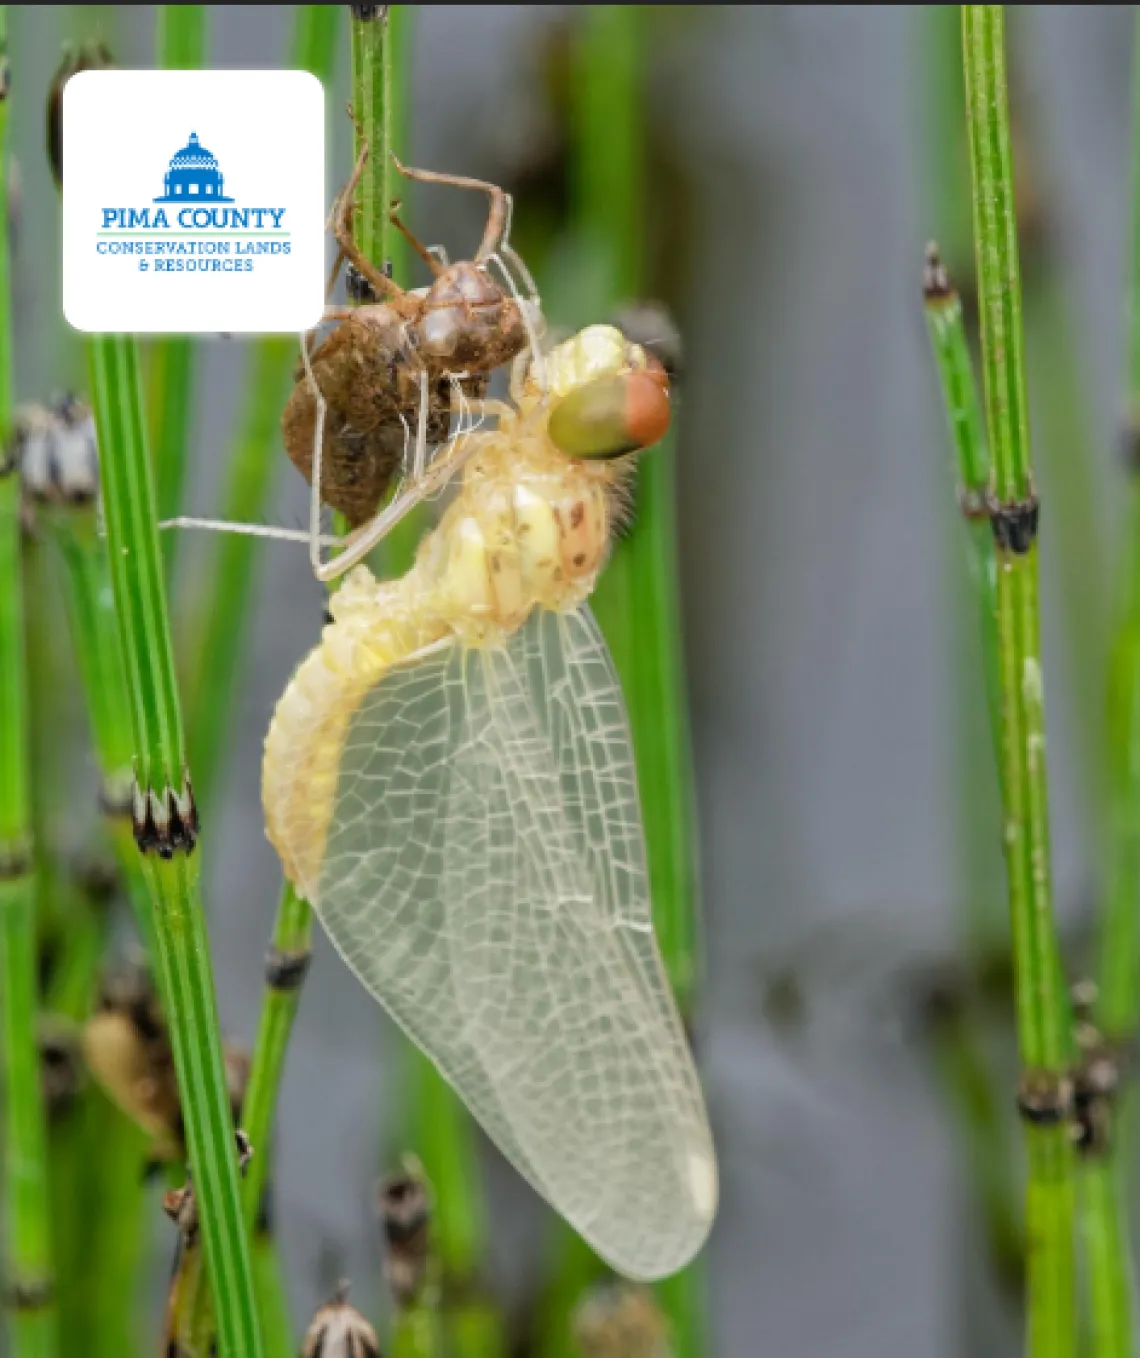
pixel 286 970
pixel 177 827
pixel 1015 524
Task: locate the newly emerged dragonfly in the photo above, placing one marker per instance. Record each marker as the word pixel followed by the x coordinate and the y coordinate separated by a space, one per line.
pixel 449 780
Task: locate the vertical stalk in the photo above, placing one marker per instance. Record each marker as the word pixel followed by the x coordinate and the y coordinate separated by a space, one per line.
pixel 380 48
pixel 30 1303
pixel 1120 952
pixel 286 966
pixel 637 600
pixel 166 831
pixel 252 470
pixel 943 309
pixel 90 606
pixel 1104 1177
pixel 441 1128
pixel 252 466
pixel 372 86
pixel 95 1150
pixel 955 1027
pixel 1043 1019
pixel 182 39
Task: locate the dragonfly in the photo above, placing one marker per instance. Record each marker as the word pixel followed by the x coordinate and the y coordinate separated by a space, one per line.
pixel 449 780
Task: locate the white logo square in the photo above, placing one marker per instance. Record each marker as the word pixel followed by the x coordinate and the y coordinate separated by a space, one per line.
pixel 193 201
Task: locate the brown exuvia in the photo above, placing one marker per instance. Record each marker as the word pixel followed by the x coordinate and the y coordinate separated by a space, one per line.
pixel 393 368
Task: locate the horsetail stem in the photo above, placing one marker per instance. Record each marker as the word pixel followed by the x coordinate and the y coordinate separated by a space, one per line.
pixel 1104 1176
pixel 72 529
pixel 637 599
pixel 28 1274
pixel 442 1128
pixel 1043 1019
pixel 182 43
pixel 252 467
pixel 954 1026
pixel 166 830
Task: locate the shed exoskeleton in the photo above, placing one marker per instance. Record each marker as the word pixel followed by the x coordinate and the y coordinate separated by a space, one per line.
pixel 396 367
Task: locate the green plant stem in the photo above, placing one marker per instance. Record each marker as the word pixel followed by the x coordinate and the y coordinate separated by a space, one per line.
pixel 90 605
pixel 292 945
pixel 440 1128
pixel 1105 1179
pixel 222 627
pixel 1119 978
pixel 958 1041
pixel 637 600
pixel 1043 1019
pixel 959 393
pixel 252 465
pixel 380 50
pixel 31 1310
pixel 252 471
pixel 97 1156
pixel 416 1331
pixel 163 787
pixel 272 1296
pixel 182 40
pixel 372 107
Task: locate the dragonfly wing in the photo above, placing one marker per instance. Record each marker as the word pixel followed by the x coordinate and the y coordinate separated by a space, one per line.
pixel 485 878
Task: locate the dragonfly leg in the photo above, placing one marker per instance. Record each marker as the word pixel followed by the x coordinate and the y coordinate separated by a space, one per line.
pixel 253 530
pixel 414 241
pixel 531 313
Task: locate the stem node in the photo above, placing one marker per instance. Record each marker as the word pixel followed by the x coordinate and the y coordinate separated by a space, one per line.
pixel 285 969
pixel 1014 523
pixel 165 822
pixel 1045 1098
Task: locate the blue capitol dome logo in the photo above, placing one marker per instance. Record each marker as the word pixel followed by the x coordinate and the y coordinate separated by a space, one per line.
pixel 193 176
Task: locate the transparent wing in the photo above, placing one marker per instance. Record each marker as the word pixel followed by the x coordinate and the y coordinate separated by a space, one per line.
pixel 485 878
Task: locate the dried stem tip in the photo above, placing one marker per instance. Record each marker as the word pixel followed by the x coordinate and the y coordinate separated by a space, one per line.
pixel 936 285
pixel 56 451
pixel 405 1216
pixel 338 1330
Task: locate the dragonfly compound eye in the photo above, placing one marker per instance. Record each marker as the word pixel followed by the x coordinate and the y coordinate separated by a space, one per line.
pixel 612 415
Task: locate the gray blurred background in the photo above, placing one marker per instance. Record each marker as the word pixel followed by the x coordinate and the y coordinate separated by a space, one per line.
pixel 820 571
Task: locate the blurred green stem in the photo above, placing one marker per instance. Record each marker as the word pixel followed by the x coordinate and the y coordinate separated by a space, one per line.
pixel 182 40
pixel 28 1273
pixel 638 599
pixel 1104 1176
pixel 1043 1020
pixel 441 1130
pixel 251 470
pixel 73 531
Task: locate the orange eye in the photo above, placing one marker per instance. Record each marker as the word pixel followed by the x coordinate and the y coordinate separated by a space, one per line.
pixel 612 415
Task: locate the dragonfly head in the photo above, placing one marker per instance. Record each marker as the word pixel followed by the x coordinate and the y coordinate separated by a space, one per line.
pixel 608 396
